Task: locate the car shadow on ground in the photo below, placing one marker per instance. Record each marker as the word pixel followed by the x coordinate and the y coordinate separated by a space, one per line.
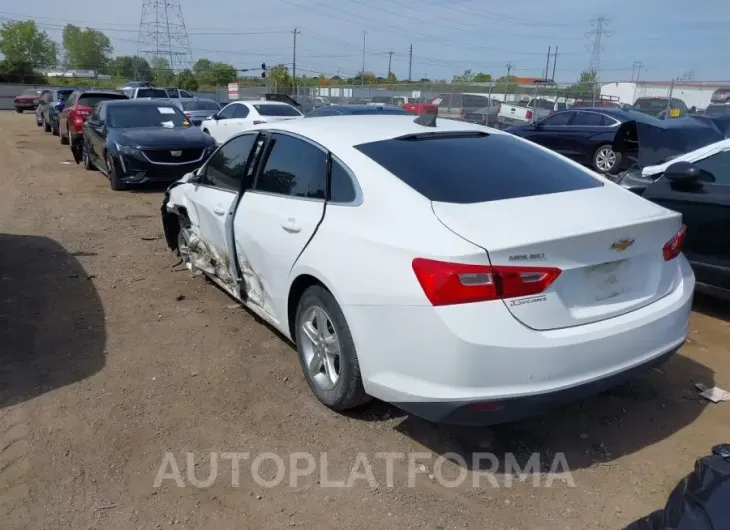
pixel 52 330
pixel 593 431
pixel 711 306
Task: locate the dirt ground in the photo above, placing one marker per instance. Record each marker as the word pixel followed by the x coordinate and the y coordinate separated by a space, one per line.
pixel 112 356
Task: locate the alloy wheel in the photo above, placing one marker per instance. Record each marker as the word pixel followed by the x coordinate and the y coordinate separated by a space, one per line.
pixel 320 347
pixel 605 159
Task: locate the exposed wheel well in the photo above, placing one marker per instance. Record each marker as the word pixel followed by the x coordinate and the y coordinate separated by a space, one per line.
pixel 300 284
pixel 171 226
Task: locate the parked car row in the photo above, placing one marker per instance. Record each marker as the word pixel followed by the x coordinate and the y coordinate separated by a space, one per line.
pixel 376 241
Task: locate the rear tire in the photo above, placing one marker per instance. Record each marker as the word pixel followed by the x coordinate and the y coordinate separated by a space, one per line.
pixel 38 123
pixel 333 378
pixel 19 111
pixel 65 139
pixel 54 129
pixel 606 160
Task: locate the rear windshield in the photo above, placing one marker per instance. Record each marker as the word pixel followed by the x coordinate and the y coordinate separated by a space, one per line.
pixel 92 100
pixel 378 110
pixel 717 110
pixel 276 110
pixel 63 95
pixel 651 104
pixel 476 168
pixel 151 93
pixel 31 92
pixel 200 104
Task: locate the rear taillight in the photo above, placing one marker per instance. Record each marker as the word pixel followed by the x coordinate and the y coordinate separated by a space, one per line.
pixel 673 247
pixel 484 119
pixel 462 114
pixel 528 114
pixel 257 122
pixel 188 115
pixel 460 283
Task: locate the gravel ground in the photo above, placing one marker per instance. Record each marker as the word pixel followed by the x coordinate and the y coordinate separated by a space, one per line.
pixel 112 356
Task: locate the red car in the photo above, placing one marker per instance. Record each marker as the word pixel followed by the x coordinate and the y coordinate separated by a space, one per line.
pixel 29 99
pixel 79 106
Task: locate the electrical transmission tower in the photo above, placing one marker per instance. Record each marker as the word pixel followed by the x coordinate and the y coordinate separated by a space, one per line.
pixel 163 37
pixel 596 35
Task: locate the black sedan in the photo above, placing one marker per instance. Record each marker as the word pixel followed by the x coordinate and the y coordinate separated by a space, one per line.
pixel 352 110
pixel 700 191
pixel 138 141
pixel 585 135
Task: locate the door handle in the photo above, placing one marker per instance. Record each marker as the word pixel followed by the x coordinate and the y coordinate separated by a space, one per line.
pixel 291 226
pixel 219 211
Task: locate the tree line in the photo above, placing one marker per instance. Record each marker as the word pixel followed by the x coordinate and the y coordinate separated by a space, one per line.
pixel 28 49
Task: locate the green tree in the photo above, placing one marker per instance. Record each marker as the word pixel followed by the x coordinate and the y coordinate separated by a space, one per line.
pixel 131 67
pixel 223 73
pixel 370 78
pixel 506 84
pixel 87 48
pixel 24 43
pixel 279 77
pixel 482 78
pixel 203 70
pixel 186 79
pixel 584 87
pixel 464 79
pixel 392 78
pixel 19 73
pixel 162 73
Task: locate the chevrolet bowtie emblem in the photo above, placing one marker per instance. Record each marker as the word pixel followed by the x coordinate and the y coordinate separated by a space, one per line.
pixel 175 153
pixel 622 245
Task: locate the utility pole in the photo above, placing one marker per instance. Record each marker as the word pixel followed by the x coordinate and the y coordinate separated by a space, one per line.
pixel 294 63
pixel 390 59
pixel 547 63
pixel 509 68
pixel 636 70
pixel 555 60
pixel 410 62
pixel 362 74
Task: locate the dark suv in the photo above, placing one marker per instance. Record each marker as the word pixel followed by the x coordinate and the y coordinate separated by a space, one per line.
pixel 50 106
pixel 657 107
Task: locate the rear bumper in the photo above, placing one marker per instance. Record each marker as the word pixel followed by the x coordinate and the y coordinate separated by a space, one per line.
pixel 509 122
pixel 434 362
pixel 25 105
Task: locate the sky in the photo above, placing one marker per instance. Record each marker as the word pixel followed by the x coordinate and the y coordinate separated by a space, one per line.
pixel 670 38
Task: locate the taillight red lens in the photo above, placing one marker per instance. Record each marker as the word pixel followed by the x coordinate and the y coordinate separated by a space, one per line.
pixel 673 247
pixel 528 115
pixel 447 283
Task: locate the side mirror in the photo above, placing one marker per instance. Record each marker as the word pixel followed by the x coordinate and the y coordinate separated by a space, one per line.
pixel 687 174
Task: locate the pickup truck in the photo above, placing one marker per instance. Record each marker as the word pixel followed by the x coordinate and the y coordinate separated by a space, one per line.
pixel 517 114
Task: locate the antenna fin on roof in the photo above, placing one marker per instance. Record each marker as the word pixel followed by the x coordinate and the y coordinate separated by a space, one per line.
pixel 427 120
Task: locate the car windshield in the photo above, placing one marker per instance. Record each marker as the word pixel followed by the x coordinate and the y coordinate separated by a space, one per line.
pixel 200 104
pixel 92 100
pixel 133 116
pixel 469 167
pixel 151 93
pixel 276 110
pixel 717 110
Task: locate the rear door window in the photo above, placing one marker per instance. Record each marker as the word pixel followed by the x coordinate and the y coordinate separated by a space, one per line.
pixel 588 119
pixel 473 167
pixel 470 101
pixel 558 119
pixel 295 168
pixel 276 110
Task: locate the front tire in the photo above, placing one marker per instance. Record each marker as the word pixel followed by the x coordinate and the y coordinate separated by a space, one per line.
pixel 86 162
pixel 606 160
pixel 54 129
pixel 46 125
pixel 66 138
pixel 111 172
pixel 327 352
pixel 19 111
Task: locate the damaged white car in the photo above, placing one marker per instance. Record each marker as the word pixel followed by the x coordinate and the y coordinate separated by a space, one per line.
pixel 461 273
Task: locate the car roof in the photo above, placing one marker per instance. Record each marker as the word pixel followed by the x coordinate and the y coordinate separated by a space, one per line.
pixel 334 132
pixel 354 106
pixel 260 102
pixel 140 102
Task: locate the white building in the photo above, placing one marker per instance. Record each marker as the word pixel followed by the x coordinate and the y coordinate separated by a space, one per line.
pixel 693 93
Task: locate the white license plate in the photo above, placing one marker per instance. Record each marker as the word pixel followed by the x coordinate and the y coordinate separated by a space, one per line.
pixel 608 279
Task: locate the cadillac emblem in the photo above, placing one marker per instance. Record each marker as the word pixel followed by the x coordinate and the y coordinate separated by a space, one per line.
pixel 175 153
pixel 622 244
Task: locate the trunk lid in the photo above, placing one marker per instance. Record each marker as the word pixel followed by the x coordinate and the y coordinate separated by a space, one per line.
pixel 607 243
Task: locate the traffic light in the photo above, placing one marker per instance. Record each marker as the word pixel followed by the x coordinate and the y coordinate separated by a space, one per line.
pixel 263 67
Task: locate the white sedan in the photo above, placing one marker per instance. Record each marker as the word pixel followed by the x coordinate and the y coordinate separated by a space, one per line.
pixel 461 273
pixel 241 115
